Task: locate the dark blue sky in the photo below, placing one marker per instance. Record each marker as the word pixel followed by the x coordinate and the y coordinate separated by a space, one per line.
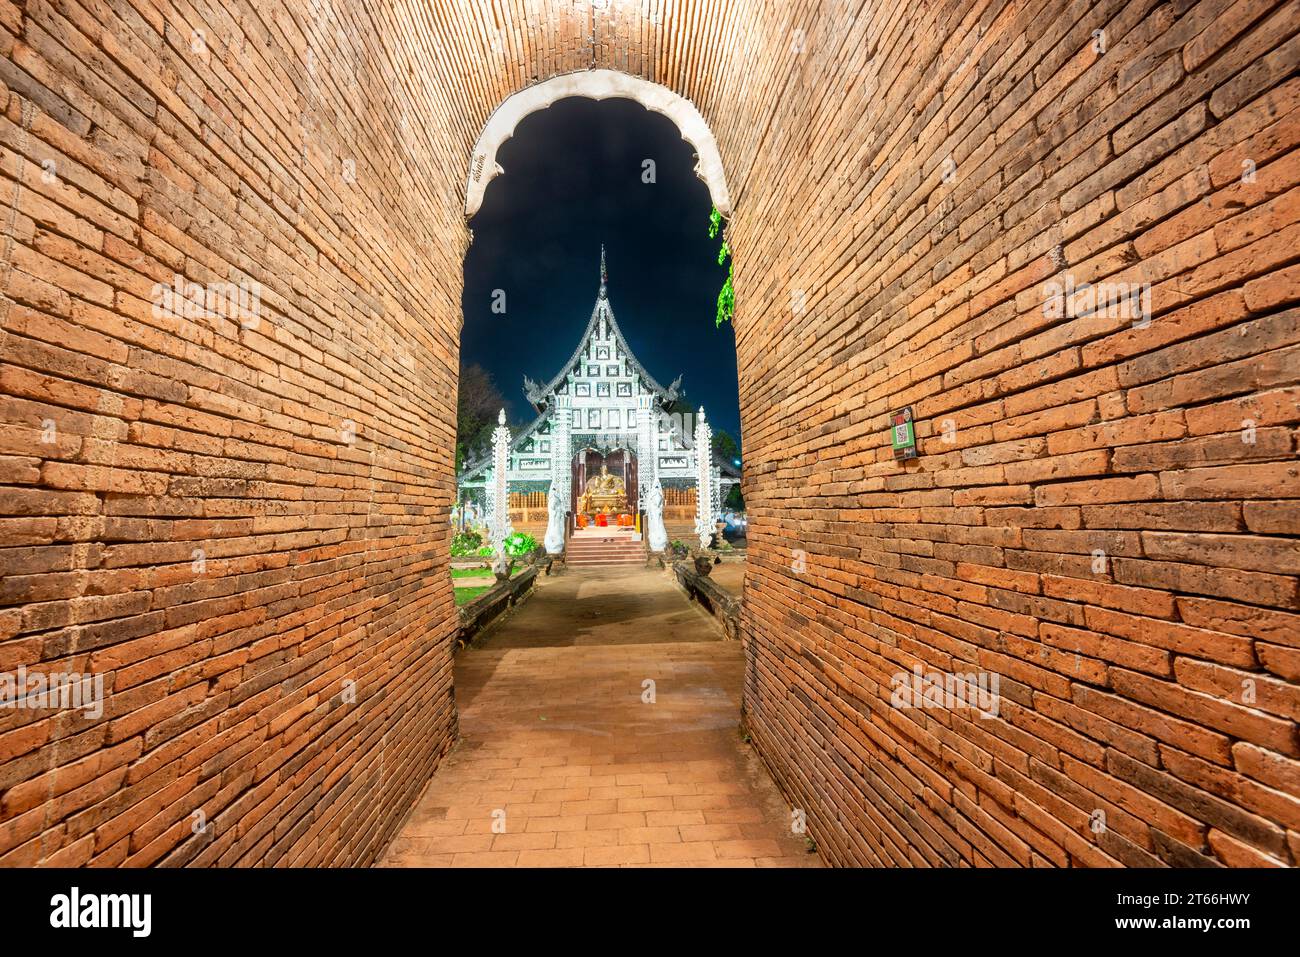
pixel 572 180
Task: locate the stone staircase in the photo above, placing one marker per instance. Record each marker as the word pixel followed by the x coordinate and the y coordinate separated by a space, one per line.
pixel 588 549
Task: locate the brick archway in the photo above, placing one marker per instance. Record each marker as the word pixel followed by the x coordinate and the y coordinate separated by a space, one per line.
pixel 906 188
pixel 595 85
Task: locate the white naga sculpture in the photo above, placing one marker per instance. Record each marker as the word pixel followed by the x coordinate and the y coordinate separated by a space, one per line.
pixel 654 518
pixel 554 522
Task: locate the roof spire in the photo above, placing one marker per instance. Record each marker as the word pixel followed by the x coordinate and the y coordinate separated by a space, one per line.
pixel 603 277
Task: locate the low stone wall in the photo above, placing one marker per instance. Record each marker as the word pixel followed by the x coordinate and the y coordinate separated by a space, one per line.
pixel 493 603
pixel 722 604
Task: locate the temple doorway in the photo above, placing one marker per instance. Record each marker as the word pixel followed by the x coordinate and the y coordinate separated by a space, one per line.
pixel 603 490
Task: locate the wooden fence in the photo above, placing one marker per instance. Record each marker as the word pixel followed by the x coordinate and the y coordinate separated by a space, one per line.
pixel 673 497
pixel 528 509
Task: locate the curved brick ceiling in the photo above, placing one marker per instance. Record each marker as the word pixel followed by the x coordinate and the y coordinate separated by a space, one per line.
pixel 905 183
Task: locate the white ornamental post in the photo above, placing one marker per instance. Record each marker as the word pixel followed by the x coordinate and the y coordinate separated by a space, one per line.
pixel 500 493
pixel 557 499
pixel 647 462
pixel 703 481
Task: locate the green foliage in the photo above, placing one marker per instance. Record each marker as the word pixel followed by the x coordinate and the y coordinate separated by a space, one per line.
pixel 470 572
pixel 727 296
pixel 520 544
pixel 725 445
pixel 466 543
pixel 478 400
pixel 734 500
pixel 466 595
pixel 726 302
pixel 485 552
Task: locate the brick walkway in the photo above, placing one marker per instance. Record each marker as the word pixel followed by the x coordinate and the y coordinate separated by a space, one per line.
pixel 557 741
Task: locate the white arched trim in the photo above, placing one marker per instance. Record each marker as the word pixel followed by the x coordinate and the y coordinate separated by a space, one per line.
pixel 595 85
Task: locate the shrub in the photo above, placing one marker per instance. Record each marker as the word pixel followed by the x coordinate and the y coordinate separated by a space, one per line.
pixel 466 543
pixel 520 544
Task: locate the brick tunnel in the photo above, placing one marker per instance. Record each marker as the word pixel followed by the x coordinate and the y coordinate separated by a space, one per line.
pixel 237 519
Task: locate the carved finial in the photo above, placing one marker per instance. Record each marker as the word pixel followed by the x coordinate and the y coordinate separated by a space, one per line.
pixel 501 417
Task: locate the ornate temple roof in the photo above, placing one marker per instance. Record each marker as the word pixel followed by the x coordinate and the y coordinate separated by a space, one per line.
pixel 539 395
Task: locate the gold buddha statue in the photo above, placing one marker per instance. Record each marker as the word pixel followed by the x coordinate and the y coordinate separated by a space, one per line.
pixel 604 493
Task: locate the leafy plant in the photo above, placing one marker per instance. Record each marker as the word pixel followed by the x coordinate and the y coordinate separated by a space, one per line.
pixel 485 552
pixel 466 543
pixel 520 544
pixel 727 296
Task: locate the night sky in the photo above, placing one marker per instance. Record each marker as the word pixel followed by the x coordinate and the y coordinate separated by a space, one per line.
pixel 572 180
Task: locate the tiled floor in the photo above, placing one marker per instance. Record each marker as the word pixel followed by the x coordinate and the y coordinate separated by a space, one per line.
pixel 565 760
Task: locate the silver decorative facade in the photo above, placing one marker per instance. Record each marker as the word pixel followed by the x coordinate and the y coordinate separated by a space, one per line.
pixel 602 401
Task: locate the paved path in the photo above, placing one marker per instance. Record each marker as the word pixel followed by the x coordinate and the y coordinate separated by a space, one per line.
pixel 559 747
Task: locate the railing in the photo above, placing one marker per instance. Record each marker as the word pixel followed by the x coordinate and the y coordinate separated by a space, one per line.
pixel 676 497
pixel 684 497
pixel 528 500
pixel 487 607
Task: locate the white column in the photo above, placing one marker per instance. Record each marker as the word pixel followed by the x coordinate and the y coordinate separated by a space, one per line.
pixel 557 499
pixel 705 487
pixel 500 527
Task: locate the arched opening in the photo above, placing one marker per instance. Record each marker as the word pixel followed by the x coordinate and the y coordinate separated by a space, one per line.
pixel 593 280
pixel 609 195
pixel 595 85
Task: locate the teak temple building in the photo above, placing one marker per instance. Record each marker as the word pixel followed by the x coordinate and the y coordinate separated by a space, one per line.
pixel 606 431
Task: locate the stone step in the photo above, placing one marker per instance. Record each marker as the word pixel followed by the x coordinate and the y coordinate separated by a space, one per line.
pixel 598 552
pixel 611 553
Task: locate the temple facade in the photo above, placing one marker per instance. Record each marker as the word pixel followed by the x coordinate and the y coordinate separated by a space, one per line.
pixel 605 437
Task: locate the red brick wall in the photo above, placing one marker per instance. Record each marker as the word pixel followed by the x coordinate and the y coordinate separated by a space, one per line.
pixel 198 139
pixel 1109 521
pixel 867 280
